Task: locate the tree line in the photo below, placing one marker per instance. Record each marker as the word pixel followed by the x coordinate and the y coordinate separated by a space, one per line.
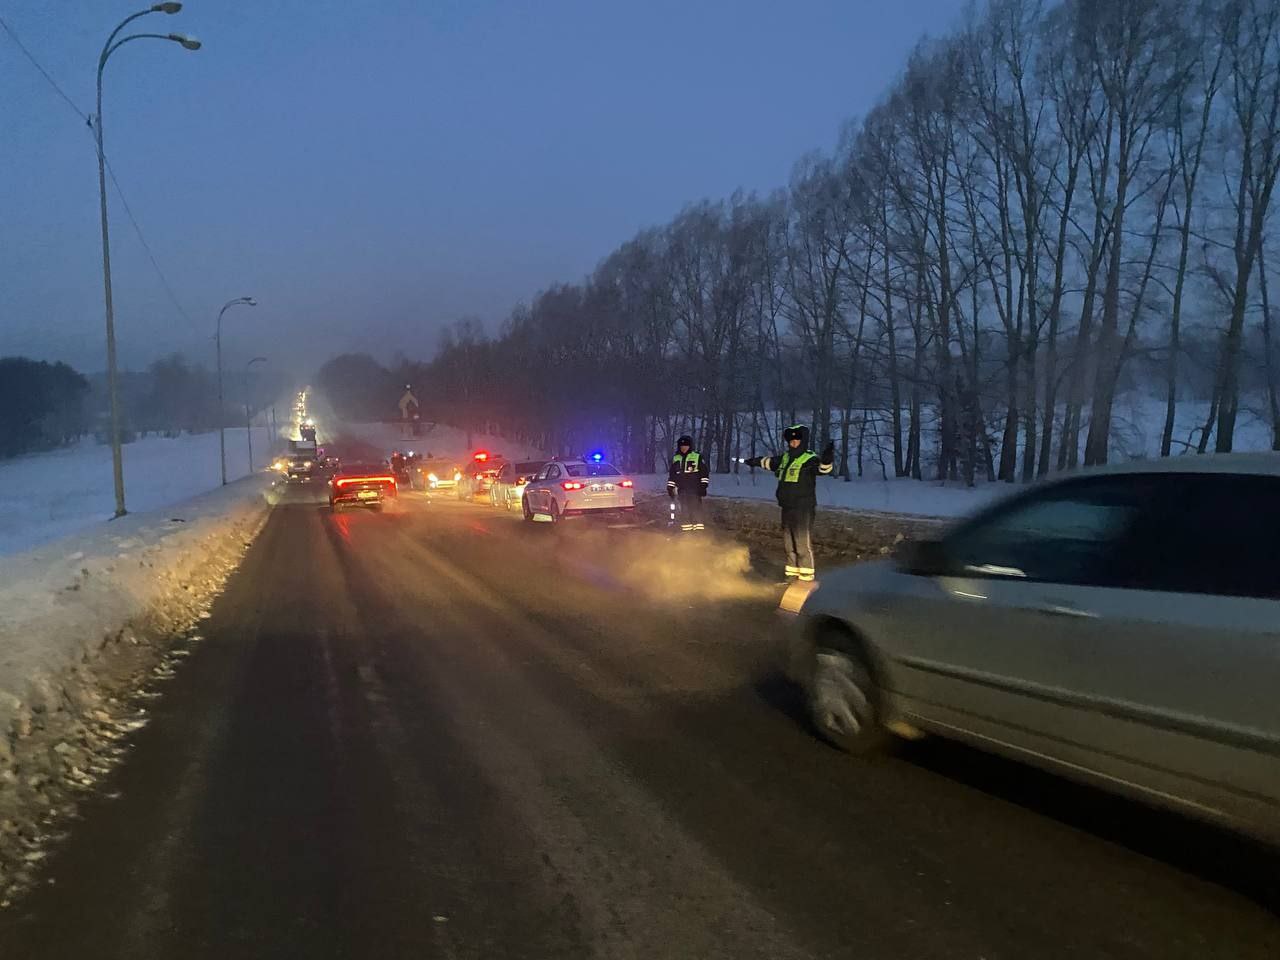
pixel 1053 204
pixel 48 405
pixel 43 405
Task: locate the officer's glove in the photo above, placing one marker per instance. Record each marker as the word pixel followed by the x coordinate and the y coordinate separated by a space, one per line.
pixel 829 452
pixel 671 490
pixel 752 461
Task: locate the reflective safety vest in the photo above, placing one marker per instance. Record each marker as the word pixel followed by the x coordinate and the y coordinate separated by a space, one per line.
pixel 789 470
pixel 690 462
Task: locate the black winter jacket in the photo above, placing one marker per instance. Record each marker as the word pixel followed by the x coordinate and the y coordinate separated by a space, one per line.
pixel 802 491
pixel 689 473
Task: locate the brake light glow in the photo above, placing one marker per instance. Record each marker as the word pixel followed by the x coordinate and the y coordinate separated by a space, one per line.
pixel 346 480
pixel 627 483
pixel 572 485
pixel 482 456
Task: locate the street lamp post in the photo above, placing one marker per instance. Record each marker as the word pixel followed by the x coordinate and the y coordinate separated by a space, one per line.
pixel 110 47
pixel 248 413
pixel 217 338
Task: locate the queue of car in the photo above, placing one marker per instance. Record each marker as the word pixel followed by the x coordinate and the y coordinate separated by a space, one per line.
pixel 547 490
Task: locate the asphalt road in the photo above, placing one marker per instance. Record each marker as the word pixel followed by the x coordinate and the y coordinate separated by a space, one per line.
pixel 442 732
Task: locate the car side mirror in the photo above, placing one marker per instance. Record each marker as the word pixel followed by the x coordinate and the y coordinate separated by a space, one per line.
pixel 922 558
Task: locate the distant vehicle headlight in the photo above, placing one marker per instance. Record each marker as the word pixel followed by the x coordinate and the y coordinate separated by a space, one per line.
pixel 457 477
pixel 306 463
pixel 433 478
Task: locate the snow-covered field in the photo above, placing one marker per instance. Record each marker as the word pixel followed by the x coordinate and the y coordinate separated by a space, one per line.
pixel 1138 423
pixel 45 496
pixel 912 497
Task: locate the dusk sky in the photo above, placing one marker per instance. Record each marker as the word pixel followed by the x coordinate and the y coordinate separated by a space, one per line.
pixel 372 171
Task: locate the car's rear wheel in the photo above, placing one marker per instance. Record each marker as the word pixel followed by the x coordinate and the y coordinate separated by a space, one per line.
pixel 525 508
pixel 843 701
pixel 556 515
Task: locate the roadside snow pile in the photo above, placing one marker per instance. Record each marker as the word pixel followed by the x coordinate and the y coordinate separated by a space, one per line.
pixel 44 496
pixel 82 621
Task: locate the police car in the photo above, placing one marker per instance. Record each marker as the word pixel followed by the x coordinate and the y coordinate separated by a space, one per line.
pixel 565 488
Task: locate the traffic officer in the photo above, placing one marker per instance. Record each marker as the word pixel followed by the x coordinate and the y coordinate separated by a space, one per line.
pixel 689 479
pixel 797 470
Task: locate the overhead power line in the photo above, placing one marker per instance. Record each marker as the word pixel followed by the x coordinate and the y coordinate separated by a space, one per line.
pixel 137 228
pixel 43 72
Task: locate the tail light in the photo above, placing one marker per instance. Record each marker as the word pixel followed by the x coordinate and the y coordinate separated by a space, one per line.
pixel 572 485
pixel 345 480
pixel 628 484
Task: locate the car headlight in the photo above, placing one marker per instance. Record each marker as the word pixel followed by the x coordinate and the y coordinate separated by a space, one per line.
pixel 457 477
pixel 433 478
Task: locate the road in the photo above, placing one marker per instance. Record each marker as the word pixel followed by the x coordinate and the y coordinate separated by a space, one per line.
pixel 442 732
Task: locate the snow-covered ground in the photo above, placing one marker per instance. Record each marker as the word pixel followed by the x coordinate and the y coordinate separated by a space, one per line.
pixel 912 497
pixel 81 620
pixel 1138 424
pixel 45 496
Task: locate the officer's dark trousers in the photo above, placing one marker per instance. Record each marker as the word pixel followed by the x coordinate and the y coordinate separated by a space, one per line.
pixel 691 513
pixel 797 541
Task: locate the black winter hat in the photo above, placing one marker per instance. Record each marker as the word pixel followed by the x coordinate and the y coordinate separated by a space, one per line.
pixel 796 431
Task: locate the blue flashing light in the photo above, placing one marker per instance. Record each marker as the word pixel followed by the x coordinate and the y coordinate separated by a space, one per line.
pixel 597 456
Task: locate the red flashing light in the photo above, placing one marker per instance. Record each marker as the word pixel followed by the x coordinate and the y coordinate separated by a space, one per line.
pixel 572 485
pixel 627 483
pixel 482 456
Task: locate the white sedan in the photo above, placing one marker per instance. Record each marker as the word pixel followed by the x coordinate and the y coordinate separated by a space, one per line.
pixel 564 488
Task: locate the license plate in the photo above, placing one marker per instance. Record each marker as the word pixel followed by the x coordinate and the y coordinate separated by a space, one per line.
pixel 367 495
pixel 599 487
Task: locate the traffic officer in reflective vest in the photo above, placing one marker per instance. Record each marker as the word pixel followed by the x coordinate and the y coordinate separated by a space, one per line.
pixel 797 470
pixel 688 479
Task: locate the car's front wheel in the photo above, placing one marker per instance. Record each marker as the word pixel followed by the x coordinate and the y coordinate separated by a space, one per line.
pixel 842 700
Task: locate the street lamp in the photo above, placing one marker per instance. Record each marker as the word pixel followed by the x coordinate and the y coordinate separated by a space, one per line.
pixel 217 337
pixel 248 415
pixel 110 47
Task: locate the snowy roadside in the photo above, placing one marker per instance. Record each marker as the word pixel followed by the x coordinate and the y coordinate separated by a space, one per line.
pixel 46 496
pixel 84 622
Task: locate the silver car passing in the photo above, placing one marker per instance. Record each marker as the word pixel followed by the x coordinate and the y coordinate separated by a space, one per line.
pixel 1120 626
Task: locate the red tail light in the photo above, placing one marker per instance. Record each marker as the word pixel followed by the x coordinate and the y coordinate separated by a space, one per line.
pixel 572 485
pixel 345 480
pixel 627 483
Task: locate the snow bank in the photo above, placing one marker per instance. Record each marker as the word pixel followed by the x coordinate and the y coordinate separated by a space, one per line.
pixel 49 495
pixel 60 603
pixel 85 619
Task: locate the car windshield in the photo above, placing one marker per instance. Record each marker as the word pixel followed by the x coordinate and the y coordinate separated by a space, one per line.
pixel 591 470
